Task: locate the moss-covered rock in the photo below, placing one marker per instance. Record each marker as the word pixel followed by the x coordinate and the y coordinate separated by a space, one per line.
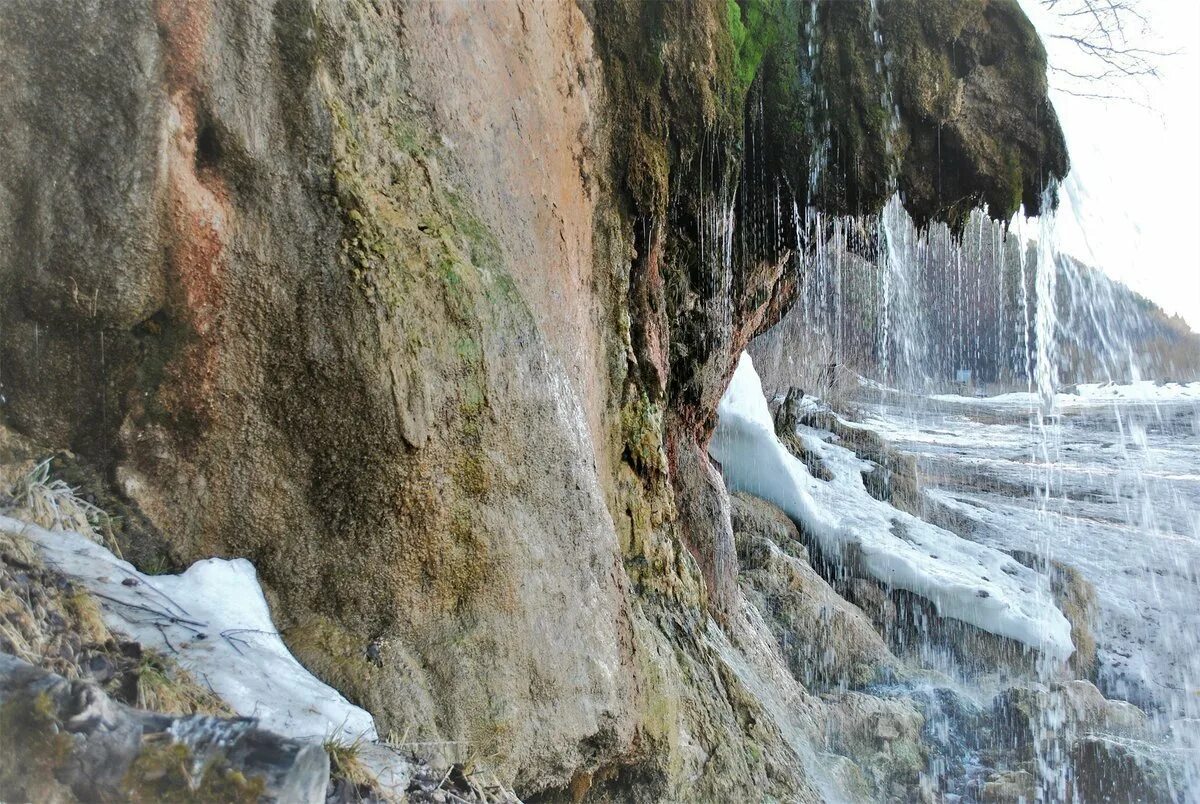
pixel 972 92
pixel 164 773
pixel 68 741
pixel 32 749
pixel 945 102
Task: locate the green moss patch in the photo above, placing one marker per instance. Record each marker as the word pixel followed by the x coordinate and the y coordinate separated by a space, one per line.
pixel 164 772
pixel 32 748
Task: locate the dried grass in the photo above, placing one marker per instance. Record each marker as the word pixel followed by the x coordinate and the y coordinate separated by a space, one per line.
pixel 89 622
pixel 15 546
pixel 54 505
pixel 164 686
pixel 345 762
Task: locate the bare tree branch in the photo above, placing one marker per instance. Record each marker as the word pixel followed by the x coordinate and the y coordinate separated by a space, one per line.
pixel 1110 35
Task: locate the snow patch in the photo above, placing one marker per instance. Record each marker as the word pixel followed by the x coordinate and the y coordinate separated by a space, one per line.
pixel 213 620
pixel 963 580
pixel 1088 394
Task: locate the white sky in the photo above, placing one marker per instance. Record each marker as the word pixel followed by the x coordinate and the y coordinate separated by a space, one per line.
pixel 1132 201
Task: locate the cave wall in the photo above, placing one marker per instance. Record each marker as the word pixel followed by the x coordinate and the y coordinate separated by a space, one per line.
pixel 426 308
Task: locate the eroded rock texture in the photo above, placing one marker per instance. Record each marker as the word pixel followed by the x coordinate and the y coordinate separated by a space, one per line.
pixel 425 308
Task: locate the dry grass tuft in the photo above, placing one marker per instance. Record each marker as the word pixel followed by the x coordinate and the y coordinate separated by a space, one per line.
pixel 13 638
pixel 164 686
pixel 345 762
pixel 56 506
pixel 15 546
pixel 89 622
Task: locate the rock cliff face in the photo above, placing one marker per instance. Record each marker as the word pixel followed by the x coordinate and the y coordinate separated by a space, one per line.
pixel 426 308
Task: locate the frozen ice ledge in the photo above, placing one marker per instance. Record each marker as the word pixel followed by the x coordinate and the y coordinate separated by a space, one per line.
pixel 963 580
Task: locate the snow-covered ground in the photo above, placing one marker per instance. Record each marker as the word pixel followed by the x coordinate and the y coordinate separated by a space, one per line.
pixel 214 620
pixel 964 580
pixel 1110 485
pixel 1084 394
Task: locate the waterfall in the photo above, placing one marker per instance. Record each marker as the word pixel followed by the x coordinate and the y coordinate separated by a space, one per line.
pixel 1046 307
pixel 1014 375
pixel 921 309
pixel 904 351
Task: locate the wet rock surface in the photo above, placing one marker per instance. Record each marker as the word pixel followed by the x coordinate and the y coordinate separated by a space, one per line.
pixel 826 641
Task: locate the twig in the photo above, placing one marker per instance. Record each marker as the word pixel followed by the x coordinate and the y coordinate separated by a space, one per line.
pixel 163 631
pixel 156 591
pixel 232 640
pixel 156 623
pixel 249 631
pixel 157 612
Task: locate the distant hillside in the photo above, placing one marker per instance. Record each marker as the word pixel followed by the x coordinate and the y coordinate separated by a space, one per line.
pixel 1110 327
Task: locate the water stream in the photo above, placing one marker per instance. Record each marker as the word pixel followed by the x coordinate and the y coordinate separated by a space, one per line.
pixel 1015 378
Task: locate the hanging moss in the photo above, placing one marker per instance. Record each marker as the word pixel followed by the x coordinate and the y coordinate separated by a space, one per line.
pixel 755 27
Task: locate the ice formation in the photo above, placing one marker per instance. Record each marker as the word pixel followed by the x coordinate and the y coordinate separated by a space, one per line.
pixel 963 580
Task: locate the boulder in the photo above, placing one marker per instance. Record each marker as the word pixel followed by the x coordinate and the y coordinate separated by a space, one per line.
pixel 883 736
pixel 826 641
pixel 1009 787
pixel 1120 769
pixel 1028 716
pixel 61 739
